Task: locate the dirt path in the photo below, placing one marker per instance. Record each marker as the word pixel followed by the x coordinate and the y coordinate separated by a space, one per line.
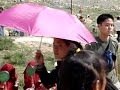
pixel 35 42
pixel 33 39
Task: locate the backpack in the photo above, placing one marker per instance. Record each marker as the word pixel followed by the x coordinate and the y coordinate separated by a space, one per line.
pixel 109 56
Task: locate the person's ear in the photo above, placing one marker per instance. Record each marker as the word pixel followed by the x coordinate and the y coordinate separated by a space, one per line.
pixel 97 85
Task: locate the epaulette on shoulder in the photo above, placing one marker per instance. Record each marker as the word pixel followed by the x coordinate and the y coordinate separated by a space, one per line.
pixel 114 39
pixel 114 43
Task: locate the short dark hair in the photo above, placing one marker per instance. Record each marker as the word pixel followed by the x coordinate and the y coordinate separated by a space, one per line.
pixel 103 17
pixel 81 70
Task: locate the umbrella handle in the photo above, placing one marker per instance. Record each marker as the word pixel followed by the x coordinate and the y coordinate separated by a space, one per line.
pixel 40 43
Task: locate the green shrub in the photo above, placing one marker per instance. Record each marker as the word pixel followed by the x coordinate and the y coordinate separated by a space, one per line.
pixel 21 84
pixel 6 43
pixel 14 58
pixel 17 57
pixel 7 56
pixel 20 70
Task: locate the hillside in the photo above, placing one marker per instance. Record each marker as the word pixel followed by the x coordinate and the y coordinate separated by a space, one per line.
pixel 107 4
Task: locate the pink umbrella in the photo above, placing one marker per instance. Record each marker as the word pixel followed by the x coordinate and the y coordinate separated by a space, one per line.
pixel 45 21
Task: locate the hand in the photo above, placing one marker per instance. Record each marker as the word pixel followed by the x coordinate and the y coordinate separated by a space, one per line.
pixel 39 58
pixel 3 86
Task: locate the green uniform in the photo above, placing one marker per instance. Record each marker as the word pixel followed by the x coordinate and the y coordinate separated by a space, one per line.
pixel 100 47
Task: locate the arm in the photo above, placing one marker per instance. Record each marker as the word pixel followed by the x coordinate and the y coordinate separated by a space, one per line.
pixel 46 78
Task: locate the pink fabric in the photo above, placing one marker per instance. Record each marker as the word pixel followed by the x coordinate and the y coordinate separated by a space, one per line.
pixel 44 21
pixel 28 79
pixel 13 76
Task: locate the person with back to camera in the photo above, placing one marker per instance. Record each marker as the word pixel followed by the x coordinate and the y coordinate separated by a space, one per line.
pixel 85 70
pixel 107 46
pixel 61 47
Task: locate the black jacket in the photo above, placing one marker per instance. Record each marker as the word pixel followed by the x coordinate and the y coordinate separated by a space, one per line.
pixel 49 79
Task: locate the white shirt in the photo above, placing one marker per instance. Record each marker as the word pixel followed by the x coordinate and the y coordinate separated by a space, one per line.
pixel 117 25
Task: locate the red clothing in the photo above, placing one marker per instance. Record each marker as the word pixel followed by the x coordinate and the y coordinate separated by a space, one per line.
pixel 36 79
pixel 13 76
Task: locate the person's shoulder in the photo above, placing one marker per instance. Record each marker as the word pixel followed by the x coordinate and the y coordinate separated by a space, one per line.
pixel 92 45
pixel 114 42
pixel 113 39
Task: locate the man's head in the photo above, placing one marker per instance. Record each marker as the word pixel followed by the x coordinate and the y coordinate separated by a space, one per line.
pixel 105 24
pixel 1 9
pixel 104 17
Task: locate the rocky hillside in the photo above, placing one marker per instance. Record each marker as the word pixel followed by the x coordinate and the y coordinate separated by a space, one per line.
pixel 111 4
pixel 107 4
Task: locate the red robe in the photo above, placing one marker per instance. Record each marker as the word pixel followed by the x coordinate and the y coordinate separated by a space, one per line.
pixel 36 79
pixel 13 76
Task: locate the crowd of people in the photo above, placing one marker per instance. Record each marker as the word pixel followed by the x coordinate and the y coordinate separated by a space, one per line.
pixel 93 67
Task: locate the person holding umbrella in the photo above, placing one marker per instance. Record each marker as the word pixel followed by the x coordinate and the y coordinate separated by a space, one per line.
pixel 61 47
pixel 44 21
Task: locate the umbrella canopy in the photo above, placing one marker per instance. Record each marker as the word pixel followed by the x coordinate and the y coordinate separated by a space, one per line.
pixel 45 21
